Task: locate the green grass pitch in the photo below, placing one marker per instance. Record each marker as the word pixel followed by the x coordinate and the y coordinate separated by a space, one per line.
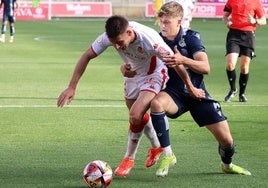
pixel 45 146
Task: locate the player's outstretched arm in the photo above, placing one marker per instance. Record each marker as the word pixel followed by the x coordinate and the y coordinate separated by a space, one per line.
pixel 68 94
pixel 66 97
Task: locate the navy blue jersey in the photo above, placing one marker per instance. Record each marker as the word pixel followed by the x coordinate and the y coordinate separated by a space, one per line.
pixel 206 111
pixel 187 43
pixel 9 6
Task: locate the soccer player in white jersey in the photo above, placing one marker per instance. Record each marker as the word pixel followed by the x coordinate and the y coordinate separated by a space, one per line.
pixel 141 49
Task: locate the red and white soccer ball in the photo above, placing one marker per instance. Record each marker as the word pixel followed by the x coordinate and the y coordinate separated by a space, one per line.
pixel 98 174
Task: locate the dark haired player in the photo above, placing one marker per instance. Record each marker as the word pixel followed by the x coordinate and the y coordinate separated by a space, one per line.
pixel 141 49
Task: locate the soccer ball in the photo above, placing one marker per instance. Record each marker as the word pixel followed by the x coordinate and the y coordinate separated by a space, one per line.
pixel 98 174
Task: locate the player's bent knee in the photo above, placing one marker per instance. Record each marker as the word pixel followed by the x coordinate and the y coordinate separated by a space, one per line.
pixel 156 104
pixel 136 128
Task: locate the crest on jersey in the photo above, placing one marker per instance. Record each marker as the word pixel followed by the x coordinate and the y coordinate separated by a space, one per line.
pixel 182 43
pixel 197 35
pixel 160 49
pixel 140 50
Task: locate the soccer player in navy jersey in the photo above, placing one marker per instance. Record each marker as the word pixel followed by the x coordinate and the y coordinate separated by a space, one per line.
pixel 174 100
pixel 8 16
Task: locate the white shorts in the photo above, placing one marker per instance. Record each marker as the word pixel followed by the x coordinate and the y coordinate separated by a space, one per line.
pixel 152 82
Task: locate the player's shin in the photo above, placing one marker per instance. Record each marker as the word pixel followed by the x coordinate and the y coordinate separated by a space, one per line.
pixel 3 29
pixel 161 127
pixel 226 154
pixel 134 136
pixel 12 30
pixel 151 134
pixel 133 143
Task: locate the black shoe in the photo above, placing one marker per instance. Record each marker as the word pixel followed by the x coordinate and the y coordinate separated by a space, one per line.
pixel 230 95
pixel 242 98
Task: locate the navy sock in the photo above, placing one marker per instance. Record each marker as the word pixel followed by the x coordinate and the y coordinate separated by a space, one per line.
pixel 226 154
pixel 161 127
pixel 12 30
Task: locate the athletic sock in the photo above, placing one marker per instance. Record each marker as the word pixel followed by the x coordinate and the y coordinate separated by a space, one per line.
pixel 243 80
pixel 134 136
pixel 167 151
pixel 161 127
pixel 12 30
pixel 231 75
pixel 151 134
pixel 226 154
pixel 133 144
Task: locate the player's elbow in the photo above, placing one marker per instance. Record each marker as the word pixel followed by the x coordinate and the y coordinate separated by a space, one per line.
pixel 206 69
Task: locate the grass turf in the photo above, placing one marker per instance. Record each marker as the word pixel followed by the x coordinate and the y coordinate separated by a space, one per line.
pixel 45 146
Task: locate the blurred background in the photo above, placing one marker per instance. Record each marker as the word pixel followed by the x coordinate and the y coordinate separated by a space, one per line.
pixel 133 9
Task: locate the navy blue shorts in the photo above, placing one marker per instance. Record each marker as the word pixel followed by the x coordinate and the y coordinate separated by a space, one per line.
pixel 241 42
pixel 204 112
pixel 10 18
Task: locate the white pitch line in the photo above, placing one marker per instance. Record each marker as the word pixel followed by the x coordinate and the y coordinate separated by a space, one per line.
pixel 110 106
pixel 68 106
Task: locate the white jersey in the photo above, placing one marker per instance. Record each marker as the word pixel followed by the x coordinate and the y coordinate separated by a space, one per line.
pixel 144 54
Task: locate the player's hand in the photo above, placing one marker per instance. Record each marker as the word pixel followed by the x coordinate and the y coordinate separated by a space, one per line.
pixel 66 97
pixel 229 24
pixel 126 71
pixel 227 19
pixel 197 93
pixel 251 19
pixel 174 60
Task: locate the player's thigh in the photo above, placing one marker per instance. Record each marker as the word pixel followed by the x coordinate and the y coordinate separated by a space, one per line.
pixel 163 102
pixel 129 102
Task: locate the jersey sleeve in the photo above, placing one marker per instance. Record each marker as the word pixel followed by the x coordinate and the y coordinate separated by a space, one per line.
pixel 227 7
pixel 194 42
pixel 100 44
pixel 151 40
pixel 160 47
pixel 259 10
